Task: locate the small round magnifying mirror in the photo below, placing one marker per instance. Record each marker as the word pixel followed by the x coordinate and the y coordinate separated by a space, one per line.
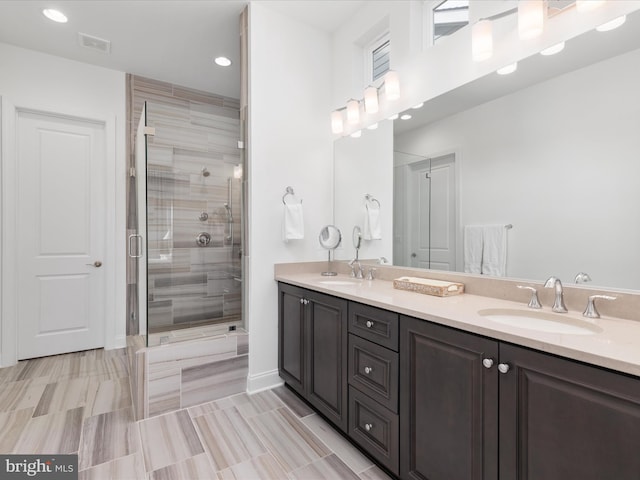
pixel 330 237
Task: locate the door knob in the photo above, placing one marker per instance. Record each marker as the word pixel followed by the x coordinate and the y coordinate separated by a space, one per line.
pixel 96 264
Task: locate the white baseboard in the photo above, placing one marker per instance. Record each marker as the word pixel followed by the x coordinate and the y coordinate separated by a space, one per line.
pixel 118 342
pixel 263 381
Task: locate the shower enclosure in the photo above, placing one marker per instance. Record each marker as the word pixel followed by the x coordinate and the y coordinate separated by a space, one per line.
pixel 189 194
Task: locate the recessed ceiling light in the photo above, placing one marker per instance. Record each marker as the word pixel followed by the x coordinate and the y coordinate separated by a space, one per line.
pixel 552 50
pixel 406 116
pixel 507 69
pixel 357 134
pixel 222 61
pixel 420 105
pixel 615 23
pixel 55 15
pixel 372 127
pixel 394 116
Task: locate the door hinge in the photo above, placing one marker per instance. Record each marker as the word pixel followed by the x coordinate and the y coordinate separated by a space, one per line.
pixel 132 171
pixel 240 145
pixel 151 131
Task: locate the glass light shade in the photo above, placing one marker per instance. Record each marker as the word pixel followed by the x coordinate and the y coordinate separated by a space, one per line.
pixel 357 134
pixel 588 5
pixel 55 15
pixel 530 18
pixel 353 112
pixel 615 23
pixel 337 124
pixel 552 50
pixel 392 85
pixel 482 40
pixel 371 99
pixel 506 70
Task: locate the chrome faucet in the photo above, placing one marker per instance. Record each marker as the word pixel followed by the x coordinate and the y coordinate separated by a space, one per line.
pixel 558 304
pixel 582 277
pixel 356 268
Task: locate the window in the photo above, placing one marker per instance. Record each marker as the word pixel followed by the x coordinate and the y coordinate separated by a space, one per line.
pixel 449 17
pixel 377 55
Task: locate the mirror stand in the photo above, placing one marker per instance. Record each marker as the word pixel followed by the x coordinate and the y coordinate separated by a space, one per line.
pixel 329 238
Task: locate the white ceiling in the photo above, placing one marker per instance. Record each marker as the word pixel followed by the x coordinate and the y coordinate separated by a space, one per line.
pixel 168 40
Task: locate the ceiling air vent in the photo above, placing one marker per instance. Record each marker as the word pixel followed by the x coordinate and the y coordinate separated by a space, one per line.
pixel 94 43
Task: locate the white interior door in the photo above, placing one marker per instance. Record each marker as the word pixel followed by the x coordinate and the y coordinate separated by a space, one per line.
pixel 432 205
pixel 61 219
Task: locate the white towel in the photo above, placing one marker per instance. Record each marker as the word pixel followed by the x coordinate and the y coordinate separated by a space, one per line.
pixel 293 222
pixel 473 248
pixel 372 228
pixel 494 250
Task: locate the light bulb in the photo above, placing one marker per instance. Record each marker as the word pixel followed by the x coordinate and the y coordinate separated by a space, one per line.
pixel 392 85
pixel 530 18
pixel 337 124
pixel 482 40
pixel 353 112
pixel 371 99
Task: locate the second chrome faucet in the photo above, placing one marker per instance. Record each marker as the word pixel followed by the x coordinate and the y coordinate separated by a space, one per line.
pixel 558 303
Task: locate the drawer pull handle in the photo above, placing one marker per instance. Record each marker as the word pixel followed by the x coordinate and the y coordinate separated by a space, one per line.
pixel 503 367
pixel 368 370
pixel 368 426
pixel 369 324
pixel 487 362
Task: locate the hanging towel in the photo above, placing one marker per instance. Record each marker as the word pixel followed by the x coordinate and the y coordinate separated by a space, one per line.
pixel 372 228
pixel 494 250
pixel 473 248
pixel 293 222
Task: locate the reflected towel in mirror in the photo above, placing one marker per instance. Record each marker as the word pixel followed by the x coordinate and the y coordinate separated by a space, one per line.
pixel 293 222
pixel 372 230
pixel 494 250
pixel 473 248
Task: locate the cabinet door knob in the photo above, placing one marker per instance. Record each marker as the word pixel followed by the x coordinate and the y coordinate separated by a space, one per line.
pixel 368 370
pixel 369 324
pixel 503 367
pixel 487 362
pixel 302 301
pixel 306 302
pixel 368 426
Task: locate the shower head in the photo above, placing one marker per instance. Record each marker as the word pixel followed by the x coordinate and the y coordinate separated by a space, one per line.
pixel 205 172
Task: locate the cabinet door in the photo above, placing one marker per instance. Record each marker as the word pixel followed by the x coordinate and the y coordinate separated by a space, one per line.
pixel 327 356
pixel 448 404
pixel 291 336
pixel 562 420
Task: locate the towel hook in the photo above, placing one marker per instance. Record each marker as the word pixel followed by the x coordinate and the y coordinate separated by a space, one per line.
pixel 288 191
pixel 370 198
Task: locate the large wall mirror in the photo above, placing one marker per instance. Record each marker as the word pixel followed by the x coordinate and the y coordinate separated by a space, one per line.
pixel 552 150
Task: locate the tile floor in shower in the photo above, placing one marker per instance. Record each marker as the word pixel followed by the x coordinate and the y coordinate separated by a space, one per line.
pixel 81 403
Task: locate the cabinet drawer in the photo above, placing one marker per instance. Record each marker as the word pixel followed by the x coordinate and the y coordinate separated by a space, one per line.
pixel 379 326
pixel 375 429
pixel 374 370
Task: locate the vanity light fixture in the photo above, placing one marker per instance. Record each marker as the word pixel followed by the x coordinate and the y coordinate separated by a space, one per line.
pixel 553 49
pixel 55 15
pixel 353 112
pixel 482 40
pixel 506 70
pixel 405 116
pixel 371 99
pixel 615 23
pixel 389 89
pixel 357 134
pixel 531 15
pixel 222 61
pixel 588 5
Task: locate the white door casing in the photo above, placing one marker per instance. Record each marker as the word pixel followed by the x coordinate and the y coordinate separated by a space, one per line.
pixel 61 229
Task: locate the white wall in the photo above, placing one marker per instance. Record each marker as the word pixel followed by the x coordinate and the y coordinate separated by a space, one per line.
pixel 290 144
pixel 362 165
pixel 34 80
pixel 559 161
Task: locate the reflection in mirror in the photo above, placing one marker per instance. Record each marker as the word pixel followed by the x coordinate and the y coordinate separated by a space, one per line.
pixel 449 17
pixel 555 158
pixel 357 239
pixel 329 238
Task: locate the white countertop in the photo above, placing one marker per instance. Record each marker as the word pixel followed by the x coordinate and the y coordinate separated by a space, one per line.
pixel 617 347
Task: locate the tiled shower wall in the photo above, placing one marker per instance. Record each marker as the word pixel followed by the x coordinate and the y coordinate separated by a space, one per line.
pixel 195 133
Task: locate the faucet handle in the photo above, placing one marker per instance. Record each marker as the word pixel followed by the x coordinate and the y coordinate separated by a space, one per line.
pixel 371 273
pixel 591 311
pixel 533 302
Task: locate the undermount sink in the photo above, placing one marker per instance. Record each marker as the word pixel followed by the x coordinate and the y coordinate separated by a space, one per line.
pixel 341 282
pixel 540 321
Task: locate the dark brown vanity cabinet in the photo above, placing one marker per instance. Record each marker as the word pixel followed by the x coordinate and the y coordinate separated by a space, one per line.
pixel 476 408
pixel 312 353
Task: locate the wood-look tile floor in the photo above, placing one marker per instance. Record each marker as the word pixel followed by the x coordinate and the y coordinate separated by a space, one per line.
pixel 81 403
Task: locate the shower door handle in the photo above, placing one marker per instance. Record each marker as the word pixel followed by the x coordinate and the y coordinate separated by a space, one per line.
pixel 138 243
